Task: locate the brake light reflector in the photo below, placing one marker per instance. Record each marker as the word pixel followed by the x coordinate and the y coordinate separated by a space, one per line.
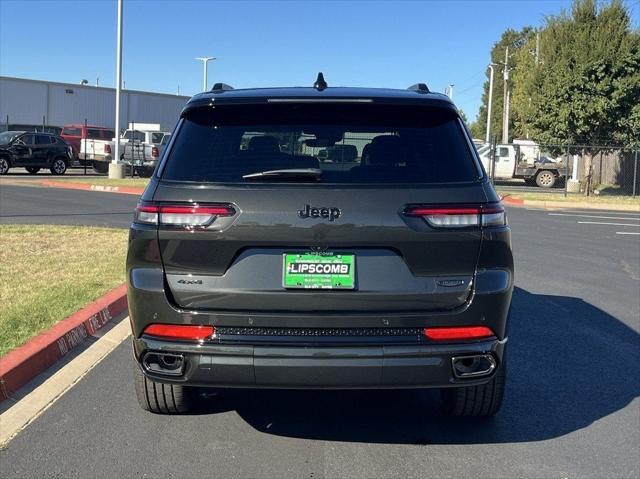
pixel 180 331
pixel 458 332
pixel 460 216
pixel 154 152
pixel 107 148
pixel 181 216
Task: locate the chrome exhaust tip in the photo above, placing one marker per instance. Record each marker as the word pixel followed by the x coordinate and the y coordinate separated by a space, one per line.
pixel 474 366
pixel 164 363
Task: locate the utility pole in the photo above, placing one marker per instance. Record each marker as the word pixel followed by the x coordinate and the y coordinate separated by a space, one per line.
pixel 205 61
pixel 116 168
pixel 487 136
pixel 505 103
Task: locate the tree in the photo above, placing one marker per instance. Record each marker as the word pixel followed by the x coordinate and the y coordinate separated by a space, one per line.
pixel 515 40
pixel 586 88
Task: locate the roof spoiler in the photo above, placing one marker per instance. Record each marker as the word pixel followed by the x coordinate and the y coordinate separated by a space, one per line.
pixel 419 87
pixel 220 87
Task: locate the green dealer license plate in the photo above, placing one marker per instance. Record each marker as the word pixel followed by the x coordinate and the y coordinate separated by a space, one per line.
pixel 319 270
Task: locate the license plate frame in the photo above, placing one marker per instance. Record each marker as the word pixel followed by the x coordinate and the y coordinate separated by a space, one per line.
pixel 297 276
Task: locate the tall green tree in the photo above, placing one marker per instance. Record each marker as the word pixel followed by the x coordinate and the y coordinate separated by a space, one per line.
pixel 585 89
pixel 516 40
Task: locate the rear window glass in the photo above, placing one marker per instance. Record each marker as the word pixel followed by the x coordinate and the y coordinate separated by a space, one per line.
pixel 351 144
pixel 94 133
pixel 71 131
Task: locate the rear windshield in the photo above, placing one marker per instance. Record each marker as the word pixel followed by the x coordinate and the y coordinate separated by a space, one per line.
pixel 351 144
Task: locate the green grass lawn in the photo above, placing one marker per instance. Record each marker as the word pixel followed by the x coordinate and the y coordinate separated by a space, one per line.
pixel 50 272
pixel 133 182
pixel 602 198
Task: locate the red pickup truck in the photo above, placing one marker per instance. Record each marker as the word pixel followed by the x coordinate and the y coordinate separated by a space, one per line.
pixel 74 134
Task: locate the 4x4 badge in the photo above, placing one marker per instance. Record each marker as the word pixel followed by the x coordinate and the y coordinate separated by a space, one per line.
pixel 331 213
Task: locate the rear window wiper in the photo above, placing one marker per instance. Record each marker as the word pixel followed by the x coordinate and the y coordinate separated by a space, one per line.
pixel 289 173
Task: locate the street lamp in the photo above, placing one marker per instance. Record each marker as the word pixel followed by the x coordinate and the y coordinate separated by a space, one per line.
pixel 205 61
pixel 487 136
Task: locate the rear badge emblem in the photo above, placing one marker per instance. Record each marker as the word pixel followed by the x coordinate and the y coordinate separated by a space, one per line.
pixel 189 281
pixel 331 213
pixel 450 283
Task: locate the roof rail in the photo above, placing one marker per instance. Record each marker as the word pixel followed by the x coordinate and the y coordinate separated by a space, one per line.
pixel 419 87
pixel 221 87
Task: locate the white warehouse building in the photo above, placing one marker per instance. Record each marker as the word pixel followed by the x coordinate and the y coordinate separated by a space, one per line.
pixel 36 102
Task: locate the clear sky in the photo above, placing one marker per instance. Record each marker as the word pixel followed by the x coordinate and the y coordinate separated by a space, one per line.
pixel 360 43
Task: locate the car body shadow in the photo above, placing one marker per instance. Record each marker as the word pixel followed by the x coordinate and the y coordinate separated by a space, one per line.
pixel 570 364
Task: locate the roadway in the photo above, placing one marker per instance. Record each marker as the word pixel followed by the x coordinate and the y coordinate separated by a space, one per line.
pixel 571 407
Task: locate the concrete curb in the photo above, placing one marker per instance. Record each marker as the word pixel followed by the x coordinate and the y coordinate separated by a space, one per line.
pixel 127 190
pixel 515 201
pixel 27 361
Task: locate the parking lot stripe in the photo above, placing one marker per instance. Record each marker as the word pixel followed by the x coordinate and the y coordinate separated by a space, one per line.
pixel 602 212
pixel 597 217
pixel 602 223
pixel 627 233
pixel 21 414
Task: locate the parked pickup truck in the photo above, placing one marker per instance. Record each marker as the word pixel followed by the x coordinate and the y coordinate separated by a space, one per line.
pixel 511 163
pixel 143 149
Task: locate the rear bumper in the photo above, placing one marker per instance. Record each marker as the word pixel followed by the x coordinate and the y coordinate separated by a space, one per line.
pixel 330 367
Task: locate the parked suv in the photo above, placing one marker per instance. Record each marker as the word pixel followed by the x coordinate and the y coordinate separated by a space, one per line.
pixel 253 264
pixel 33 151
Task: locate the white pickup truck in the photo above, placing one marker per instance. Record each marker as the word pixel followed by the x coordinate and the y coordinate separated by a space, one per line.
pixel 146 145
pixel 511 163
pixel 143 150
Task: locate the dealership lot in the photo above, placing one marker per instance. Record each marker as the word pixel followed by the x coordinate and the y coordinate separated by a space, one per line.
pixel 571 408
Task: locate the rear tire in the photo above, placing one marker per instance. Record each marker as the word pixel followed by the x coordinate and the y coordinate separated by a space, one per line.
pixel 32 169
pixel 160 398
pixel 476 401
pixel 101 166
pixel 545 179
pixel 58 167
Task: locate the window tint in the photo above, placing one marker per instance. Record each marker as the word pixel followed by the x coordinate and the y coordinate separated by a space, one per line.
pixel 368 144
pixel 108 134
pixel 26 140
pixel 134 135
pixel 72 131
pixel 503 151
pixel 43 140
pixel 94 133
pixel 156 137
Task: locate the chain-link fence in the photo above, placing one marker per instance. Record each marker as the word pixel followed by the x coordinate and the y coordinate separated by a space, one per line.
pixel 587 169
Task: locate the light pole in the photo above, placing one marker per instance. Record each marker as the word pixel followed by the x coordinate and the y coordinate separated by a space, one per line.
pixel 115 168
pixel 449 91
pixel 488 134
pixel 205 61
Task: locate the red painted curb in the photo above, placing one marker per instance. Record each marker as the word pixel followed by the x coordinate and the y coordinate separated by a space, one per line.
pixel 512 200
pixel 127 190
pixel 22 364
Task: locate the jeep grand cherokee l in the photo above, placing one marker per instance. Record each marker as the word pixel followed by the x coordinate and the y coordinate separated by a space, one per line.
pixel 252 264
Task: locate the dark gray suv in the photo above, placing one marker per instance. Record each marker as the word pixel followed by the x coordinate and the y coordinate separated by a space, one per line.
pixel 253 263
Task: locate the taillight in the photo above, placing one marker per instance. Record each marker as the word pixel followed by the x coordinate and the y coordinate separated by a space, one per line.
pixel 181 216
pixel 180 331
pixel 458 332
pixel 459 216
pixel 155 152
pixel 107 148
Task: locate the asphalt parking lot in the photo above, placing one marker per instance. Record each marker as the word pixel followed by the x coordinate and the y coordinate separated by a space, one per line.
pixel 571 407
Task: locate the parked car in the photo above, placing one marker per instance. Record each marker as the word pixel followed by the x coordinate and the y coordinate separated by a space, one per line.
pixel 56 130
pixel 33 151
pixel 143 150
pixel 253 264
pixel 74 134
